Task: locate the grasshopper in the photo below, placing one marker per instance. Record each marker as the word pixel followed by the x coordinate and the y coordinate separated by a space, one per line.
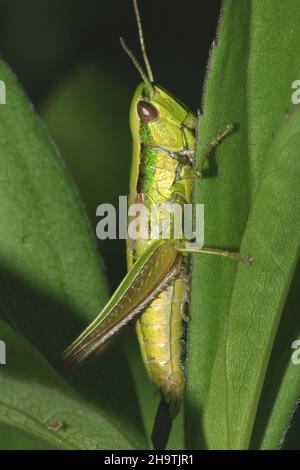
pixel 155 290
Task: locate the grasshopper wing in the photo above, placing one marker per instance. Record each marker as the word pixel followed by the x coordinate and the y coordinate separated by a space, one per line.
pixel 151 273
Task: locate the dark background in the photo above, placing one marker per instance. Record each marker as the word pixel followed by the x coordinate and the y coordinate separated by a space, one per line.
pixel 43 40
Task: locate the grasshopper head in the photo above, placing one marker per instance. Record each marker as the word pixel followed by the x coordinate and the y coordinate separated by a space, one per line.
pixel 158 119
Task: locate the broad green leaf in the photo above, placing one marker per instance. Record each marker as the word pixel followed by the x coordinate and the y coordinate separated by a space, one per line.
pixel 44 235
pixel 249 83
pixel 282 385
pixel 51 279
pixel 33 396
pixel 272 235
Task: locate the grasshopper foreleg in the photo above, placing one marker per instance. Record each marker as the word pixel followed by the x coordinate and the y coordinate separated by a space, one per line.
pixel 211 146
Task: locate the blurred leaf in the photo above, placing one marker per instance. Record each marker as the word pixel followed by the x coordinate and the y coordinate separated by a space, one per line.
pixel 51 279
pixel 254 93
pixel 33 397
pixel 14 440
pixel 87 114
pixel 51 36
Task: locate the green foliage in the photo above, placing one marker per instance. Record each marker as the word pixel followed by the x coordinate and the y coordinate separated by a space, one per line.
pixel 33 396
pixel 241 385
pixel 252 201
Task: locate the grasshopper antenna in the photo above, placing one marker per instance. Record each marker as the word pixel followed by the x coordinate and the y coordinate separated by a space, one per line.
pixel 137 64
pixel 147 77
pixel 142 41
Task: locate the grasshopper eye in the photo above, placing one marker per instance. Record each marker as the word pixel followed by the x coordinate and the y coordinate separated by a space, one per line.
pixel 146 111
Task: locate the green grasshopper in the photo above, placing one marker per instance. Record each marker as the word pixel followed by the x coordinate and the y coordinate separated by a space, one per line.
pixel 156 287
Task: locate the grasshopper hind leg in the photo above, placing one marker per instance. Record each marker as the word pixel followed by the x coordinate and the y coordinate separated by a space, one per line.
pixel 248 259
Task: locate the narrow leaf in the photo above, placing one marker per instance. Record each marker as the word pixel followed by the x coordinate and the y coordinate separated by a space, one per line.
pixel 35 400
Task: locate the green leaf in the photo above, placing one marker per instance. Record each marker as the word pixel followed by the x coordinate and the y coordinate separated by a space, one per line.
pixel 236 309
pixel 51 279
pixel 272 234
pixel 282 384
pixel 14 440
pixel 33 397
pixel 44 235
